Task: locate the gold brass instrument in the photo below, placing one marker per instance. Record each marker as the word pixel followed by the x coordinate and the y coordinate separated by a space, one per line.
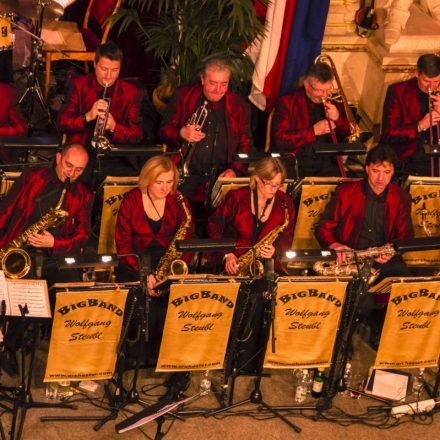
pixel 355 131
pixel 349 266
pixel 246 260
pixel 15 261
pixel 171 263
pixel 99 141
pixel 187 150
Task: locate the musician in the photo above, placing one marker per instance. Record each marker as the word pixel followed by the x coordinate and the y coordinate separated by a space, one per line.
pixel 300 121
pixel 225 131
pixel 406 120
pixel 370 213
pixel 12 122
pixel 84 103
pixel 32 195
pixel 149 217
pixel 248 215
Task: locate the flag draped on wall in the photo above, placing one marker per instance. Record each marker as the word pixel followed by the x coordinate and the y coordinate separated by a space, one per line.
pixel 294 32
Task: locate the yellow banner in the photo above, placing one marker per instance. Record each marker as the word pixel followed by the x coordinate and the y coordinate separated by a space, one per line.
pixel 411 333
pixel 197 326
pixel 307 317
pixel 113 195
pixel 425 215
pixel 85 334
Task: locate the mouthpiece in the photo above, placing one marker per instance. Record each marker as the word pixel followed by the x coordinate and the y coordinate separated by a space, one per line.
pixel 66 182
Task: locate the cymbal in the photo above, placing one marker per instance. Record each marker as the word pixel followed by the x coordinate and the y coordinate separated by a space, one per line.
pixel 30 9
pixel 8 6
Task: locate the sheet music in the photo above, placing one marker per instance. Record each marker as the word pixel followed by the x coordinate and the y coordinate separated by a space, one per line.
pixel 33 293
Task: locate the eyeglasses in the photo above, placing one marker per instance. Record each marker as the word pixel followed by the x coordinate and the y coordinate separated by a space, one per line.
pixel 268 184
pixel 318 90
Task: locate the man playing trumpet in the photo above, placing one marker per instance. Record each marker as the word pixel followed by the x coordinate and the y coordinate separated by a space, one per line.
pixel 306 117
pixel 407 121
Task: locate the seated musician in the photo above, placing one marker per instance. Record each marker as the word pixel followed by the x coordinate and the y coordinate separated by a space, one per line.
pixel 149 218
pixel 406 120
pixel 85 109
pixel 260 216
pixel 225 131
pixel 12 122
pixel 300 121
pixel 369 213
pixel 32 196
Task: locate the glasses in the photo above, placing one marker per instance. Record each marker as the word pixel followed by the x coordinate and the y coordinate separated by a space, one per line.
pixel 268 184
pixel 318 90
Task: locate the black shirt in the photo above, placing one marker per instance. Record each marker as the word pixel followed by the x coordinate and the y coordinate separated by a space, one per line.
pixel 373 230
pixel 212 151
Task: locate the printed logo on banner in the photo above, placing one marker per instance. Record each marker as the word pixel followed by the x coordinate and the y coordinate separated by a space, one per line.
pixel 410 336
pixel 198 322
pixel 306 321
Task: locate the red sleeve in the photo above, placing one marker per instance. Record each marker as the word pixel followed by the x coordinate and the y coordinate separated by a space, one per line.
pixel 77 236
pixel 171 125
pixel 403 226
pixel 287 134
pixel 70 121
pixel 15 125
pixel 245 136
pixel 130 130
pixel 394 130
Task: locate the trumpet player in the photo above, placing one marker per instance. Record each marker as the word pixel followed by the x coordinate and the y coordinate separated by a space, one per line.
pixel 306 117
pixel 369 213
pixel 85 102
pixel 411 113
pixel 225 130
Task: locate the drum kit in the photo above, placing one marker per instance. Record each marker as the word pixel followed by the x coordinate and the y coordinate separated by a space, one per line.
pixel 37 10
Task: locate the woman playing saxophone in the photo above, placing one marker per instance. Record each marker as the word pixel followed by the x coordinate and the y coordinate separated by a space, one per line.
pixel 250 214
pixel 149 217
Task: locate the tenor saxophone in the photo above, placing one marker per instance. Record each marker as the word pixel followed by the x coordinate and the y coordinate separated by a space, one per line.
pixel 171 262
pixel 15 261
pixel 246 260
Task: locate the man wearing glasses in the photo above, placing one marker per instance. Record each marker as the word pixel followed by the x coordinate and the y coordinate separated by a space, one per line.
pixel 305 117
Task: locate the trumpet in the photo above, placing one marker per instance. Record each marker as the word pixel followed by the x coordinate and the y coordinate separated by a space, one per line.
pixel 187 150
pixel 99 140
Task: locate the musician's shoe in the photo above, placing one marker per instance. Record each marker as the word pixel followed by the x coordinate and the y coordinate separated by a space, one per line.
pixel 177 384
pixel 8 362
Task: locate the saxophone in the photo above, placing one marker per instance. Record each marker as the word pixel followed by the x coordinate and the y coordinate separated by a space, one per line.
pixel 349 266
pixel 15 261
pixel 170 262
pixel 245 261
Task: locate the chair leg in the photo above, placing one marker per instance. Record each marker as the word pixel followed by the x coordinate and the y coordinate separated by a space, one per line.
pixel 86 67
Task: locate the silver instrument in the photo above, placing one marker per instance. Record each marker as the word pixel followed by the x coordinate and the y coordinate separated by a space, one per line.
pixel 99 141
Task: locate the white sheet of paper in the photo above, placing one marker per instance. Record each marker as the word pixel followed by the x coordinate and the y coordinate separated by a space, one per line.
pixel 390 385
pixel 31 292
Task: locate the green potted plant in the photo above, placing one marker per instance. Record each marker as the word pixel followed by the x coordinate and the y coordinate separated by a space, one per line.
pixel 186 32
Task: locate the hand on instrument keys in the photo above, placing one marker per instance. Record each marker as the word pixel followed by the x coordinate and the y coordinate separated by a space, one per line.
pixel 267 251
pixel 111 123
pixel 231 265
pixel 322 127
pixel 332 111
pixel 385 258
pixel 340 256
pixel 99 107
pixel 435 98
pixel 42 240
pixel 424 123
pixel 192 133
pixel 151 282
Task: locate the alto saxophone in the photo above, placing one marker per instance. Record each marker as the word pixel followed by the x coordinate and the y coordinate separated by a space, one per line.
pixel 349 266
pixel 170 262
pixel 15 261
pixel 245 261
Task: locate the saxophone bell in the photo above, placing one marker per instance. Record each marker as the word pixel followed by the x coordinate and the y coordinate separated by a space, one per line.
pixel 15 263
pixel 179 267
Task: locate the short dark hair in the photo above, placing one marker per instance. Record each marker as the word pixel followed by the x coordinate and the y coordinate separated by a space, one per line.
pixel 429 64
pixel 381 153
pixel 320 71
pixel 66 147
pixel 109 50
